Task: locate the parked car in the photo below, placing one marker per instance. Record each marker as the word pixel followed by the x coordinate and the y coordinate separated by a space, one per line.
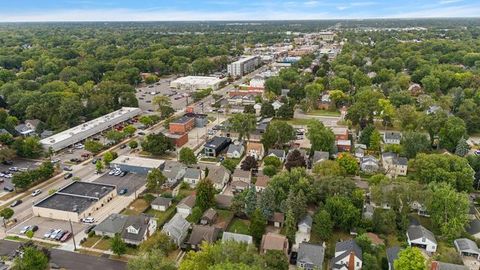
pixel 8 188
pixel 141 133
pixel 66 236
pixel 36 192
pixel 60 235
pixel 112 172
pixel 88 220
pixel 54 233
pixel 85 155
pixel 48 233
pixel 7 162
pixel 78 146
pixel 13 169
pixel 94 161
pixel 123 146
pixel 67 168
pixel 15 203
pixel 117 173
pixel 123 191
pixel 477 152
pixel 34 228
pixel 25 229
pixel 123 173
pixel 89 229
pixel 75 160
pixel 68 175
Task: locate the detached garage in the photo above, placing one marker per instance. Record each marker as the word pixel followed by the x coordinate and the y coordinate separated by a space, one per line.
pixel 467 247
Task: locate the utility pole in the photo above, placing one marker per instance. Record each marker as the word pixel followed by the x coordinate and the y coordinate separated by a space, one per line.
pixel 73 235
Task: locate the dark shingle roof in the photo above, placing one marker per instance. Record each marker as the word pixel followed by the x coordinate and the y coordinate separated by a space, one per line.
pixel 347 247
pixel 202 233
pixel 162 201
pixel 418 232
pixel 311 254
pixel 473 227
pixel 392 255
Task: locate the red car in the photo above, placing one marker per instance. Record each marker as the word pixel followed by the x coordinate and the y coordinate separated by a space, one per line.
pixel 66 236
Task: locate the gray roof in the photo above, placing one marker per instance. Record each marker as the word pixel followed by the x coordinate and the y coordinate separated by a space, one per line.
pixel 188 201
pixel 241 173
pixel 192 173
pixel 210 214
pixel 369 159
pixel 392 135
pixel 276 152
pixel 237 237
pixel 320 155
pixel 473 227
pixel 387 155
pixel 176 226
pixel 217 142
pixel 449 266
pixel 162 201
pixel 400 161
pixel 346 247
pixel 466 245
pixel 311 254
pixel 232 148
pixel 418 232
pixel 202 233
pixel 307 220
pixel 112 224
pixel 140 223
pixel 392 255
pixel 215 173
pixel 223 200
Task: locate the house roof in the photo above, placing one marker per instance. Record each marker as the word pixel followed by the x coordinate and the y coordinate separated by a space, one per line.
pixel 277 152
pixel 209 214
pixel 192 173
pixel 278 217
pixel 216 142
pixel 347 247
pixel 177 226
pixel 217 173
pixel 447 266
pixel 369 159
pixel 162 201
pixel 473 227
pixel 223 200
pixel 320 155
pixel 237 237
pixel 392 255
pixel 466 245
pixel 400 161
pixel 262 181
pixel 240 184
pixel 241 173
pixel 311 254
pixel 140 223
pixel 306 221
pixel 254 146
pixel 273 241
pixel 392 135
pixel 415 232
pixel 188 201
pixel 202 233
pixel 112 224
pixel 232 148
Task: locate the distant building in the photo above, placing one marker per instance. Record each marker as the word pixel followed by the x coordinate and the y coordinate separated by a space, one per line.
pixel 369 164
pixel 243 66
pixel 235 150
pixel 436 265
pixel 182 125
pixel 138 165
pixel 200 234
pixel 185 206
pixel 392 137
pixel 467 248
pixel 177 229
pixel 193 83
pixel 237 237
pixel 192 176
pixel 216 145
pixel 132 229
pixel 161 204
pixel 274 241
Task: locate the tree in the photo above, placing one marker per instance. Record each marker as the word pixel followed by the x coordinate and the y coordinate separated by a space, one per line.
pixel 285 112
pixel 452 131
pixel 295 159
pixel 433 123
pixel 32 258
pixel 296 203
pixel 366 134
pixel 409 117
pixel 410 258
pixel 375 140
pixel 277 134
pixel 270 170
pixel 462 148
pixel 129 130
pixel 414 142
pixel 249 163
pixel 258 223
pixel 274 85
pixel 163 103
pixel 249 109
pixel 266 203
pixel 149 260
pixel 155 179
pixel 448 209
pixel 243 124
pixel 276 259
pixel 323 225
pixel 6 214
pixel 384 221
pixel 114 135
pixel 438 168
pixel 327 168
pixel 108 157
pixel 205 194
pixel 117 245
pixel 267 110
pixel 321 137
pixel 250 200
pixel 93 146
pixel 343 213
pixel 272 161
pixel 133 144
pixel 146 120
pixel 187 156
pixel 157 144
pixel 6 154
pixel 99 166
pixel 230 164
pixel 28 147
pixel 348 163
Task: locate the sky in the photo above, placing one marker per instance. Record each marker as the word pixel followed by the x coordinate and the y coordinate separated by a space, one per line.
pixel 188 10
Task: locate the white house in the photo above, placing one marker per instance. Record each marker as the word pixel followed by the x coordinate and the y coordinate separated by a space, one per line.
pixel 177 229
pixel 348 256
pixel 192 176
pixel 255 150
pixel 185 206
pixel 419 236
pixel 235 150
pixel 277 104
pixel 303 233
pixel 392 137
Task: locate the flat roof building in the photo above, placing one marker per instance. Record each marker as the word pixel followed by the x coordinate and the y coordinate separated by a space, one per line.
pixel 194 83
pixel 75 201
pixel 138 165
pixel 81 132
pixel 243 66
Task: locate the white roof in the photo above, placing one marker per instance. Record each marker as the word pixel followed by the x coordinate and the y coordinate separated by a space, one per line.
pixel 245 59
pixel 197 80
pixel 138 161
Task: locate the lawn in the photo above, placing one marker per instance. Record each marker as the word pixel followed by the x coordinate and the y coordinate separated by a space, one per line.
pixel 136 207
pixel 324 113
pixel 298 122
pixel 91 241
pixel 239 226
pixel 209 159
pixel 224 218
pixel 162 217
pixel 104 244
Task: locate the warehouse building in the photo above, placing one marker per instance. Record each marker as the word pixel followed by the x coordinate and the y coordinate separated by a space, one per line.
pixel 136 165
pixel 193 83
pixel 182 125
pixel 75 201
pixel 243 66
pixel 81 132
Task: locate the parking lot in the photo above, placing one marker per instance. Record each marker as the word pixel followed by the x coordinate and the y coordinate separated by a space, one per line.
pixel 146 94
pixel 130 181
pixel 45 224
pixel 20 164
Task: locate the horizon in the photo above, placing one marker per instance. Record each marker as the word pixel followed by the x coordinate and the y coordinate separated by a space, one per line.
pixel 234 10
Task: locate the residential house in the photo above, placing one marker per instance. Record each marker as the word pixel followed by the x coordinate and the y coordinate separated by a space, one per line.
pixel 436 265
pixel 138 228
pixel 32 123
pixel 185 206
pixel 473 228
pixel 392 255
pixel 324 102
pixel 177 229
pixel 276 105
pixel 420 208
pixel 340 133
pixel 278 153
pixel 216 145
pixel 319 156
pixel 369 164
pixel 237 237
pixel 310 256
pixel 174 172
pixel 360 150
pixel 274 241
pixel 277 219
pixel 348 256
pixel 419 236
pixel 241 175
pixel 111 225
pixel 223 201
pixel 161 204
pixel 392 137
pixel 24 130
pixel 255 150
pixel 202 233
pixel 467 248
pixel 394 165
pixel 343 145
pixel 304 229
pixel 219 176
pixel 235 150
pixel 192 176
pixel 209 217
pixel 261 183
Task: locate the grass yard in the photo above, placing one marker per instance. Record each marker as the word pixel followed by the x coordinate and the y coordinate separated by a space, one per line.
pixel 298 122
pixel 224 218
pixel 91 241
pixel 239 226
pixel 136 207
pixel 324 113
pixel 162 217
pixel 209 159
pixel 103 244
pixel 131 250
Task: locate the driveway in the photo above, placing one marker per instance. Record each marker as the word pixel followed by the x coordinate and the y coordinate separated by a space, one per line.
pixel 130 181
pixel 45 224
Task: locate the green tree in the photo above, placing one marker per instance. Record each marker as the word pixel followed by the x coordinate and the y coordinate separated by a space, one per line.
pixel 6 214
pixel 272 161
pixel 321 137
pixel 32 258
pixel 266 203
pixel 452 131
pixel 6 154
pixel 157 144
pixel 290 226
pixel 276 259
pixel 187 156
pixel 99 166
pixel 270 170
pixel 115 136
pixel 108 157
pixel 155 180
pixel 149 260
pixel 413 143
pixel 285 112
pixel 28 147
pixel 384 221
pixel 250 200
pixel 249 109
pixel 297 203
pixel 410 258
pixel 158 241
pixel 323 225
pixel 462 148
pixel 146 120
pixel 133 144
pixel 117 245
pixel 274 85
pixel 375 141
pixel 258 223
pixel 277 134
pixel 342 211
pixel 267 110
pixel 328 168
pixel 295 159
pixel 348 163
pixel 93 146
pixel 205 194
pixel 448 209
pixel 243 124
pixel 129 130
pixel 366 134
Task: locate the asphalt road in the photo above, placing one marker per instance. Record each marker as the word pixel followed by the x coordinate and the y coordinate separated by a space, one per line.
pixel 69 260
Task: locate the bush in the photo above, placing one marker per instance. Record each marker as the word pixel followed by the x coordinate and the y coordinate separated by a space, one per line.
pixel 148 198
pixel 270 170
pixel 90 234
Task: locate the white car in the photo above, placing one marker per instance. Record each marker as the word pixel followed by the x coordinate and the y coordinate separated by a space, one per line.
pixel 79 146
pixel 112 172
pixel 25 229
pixel 13 169
pixel 88 220
pixel 117 173
pixel 54 234
pixel 36 192
pixel 8 175
pixel 48 233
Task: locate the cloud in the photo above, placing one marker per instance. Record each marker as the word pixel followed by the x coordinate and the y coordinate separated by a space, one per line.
pixel 441 12
pixel 311 3
pixel 447 2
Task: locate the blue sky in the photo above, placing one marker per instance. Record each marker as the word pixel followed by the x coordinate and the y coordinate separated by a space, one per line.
pixel 176 10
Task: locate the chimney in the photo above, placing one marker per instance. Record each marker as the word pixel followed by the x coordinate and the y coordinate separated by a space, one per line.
pixel 351 261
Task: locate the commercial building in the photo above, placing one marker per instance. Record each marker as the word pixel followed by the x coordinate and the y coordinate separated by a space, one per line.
pixel 193 83
pixel 243 66
pixel 75 201
pixel 216 145
pixel 326 36
pixel 138 165
pixel 81 132
pixel 177 139
pixel 182 125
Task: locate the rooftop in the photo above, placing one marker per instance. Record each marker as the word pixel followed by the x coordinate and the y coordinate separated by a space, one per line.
pixel 86 189
pixel 182 120
pixel 216 142
pixel 197 80
pixel 237 237
pixel 138 161
pixel 418 232
pixel 311 254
